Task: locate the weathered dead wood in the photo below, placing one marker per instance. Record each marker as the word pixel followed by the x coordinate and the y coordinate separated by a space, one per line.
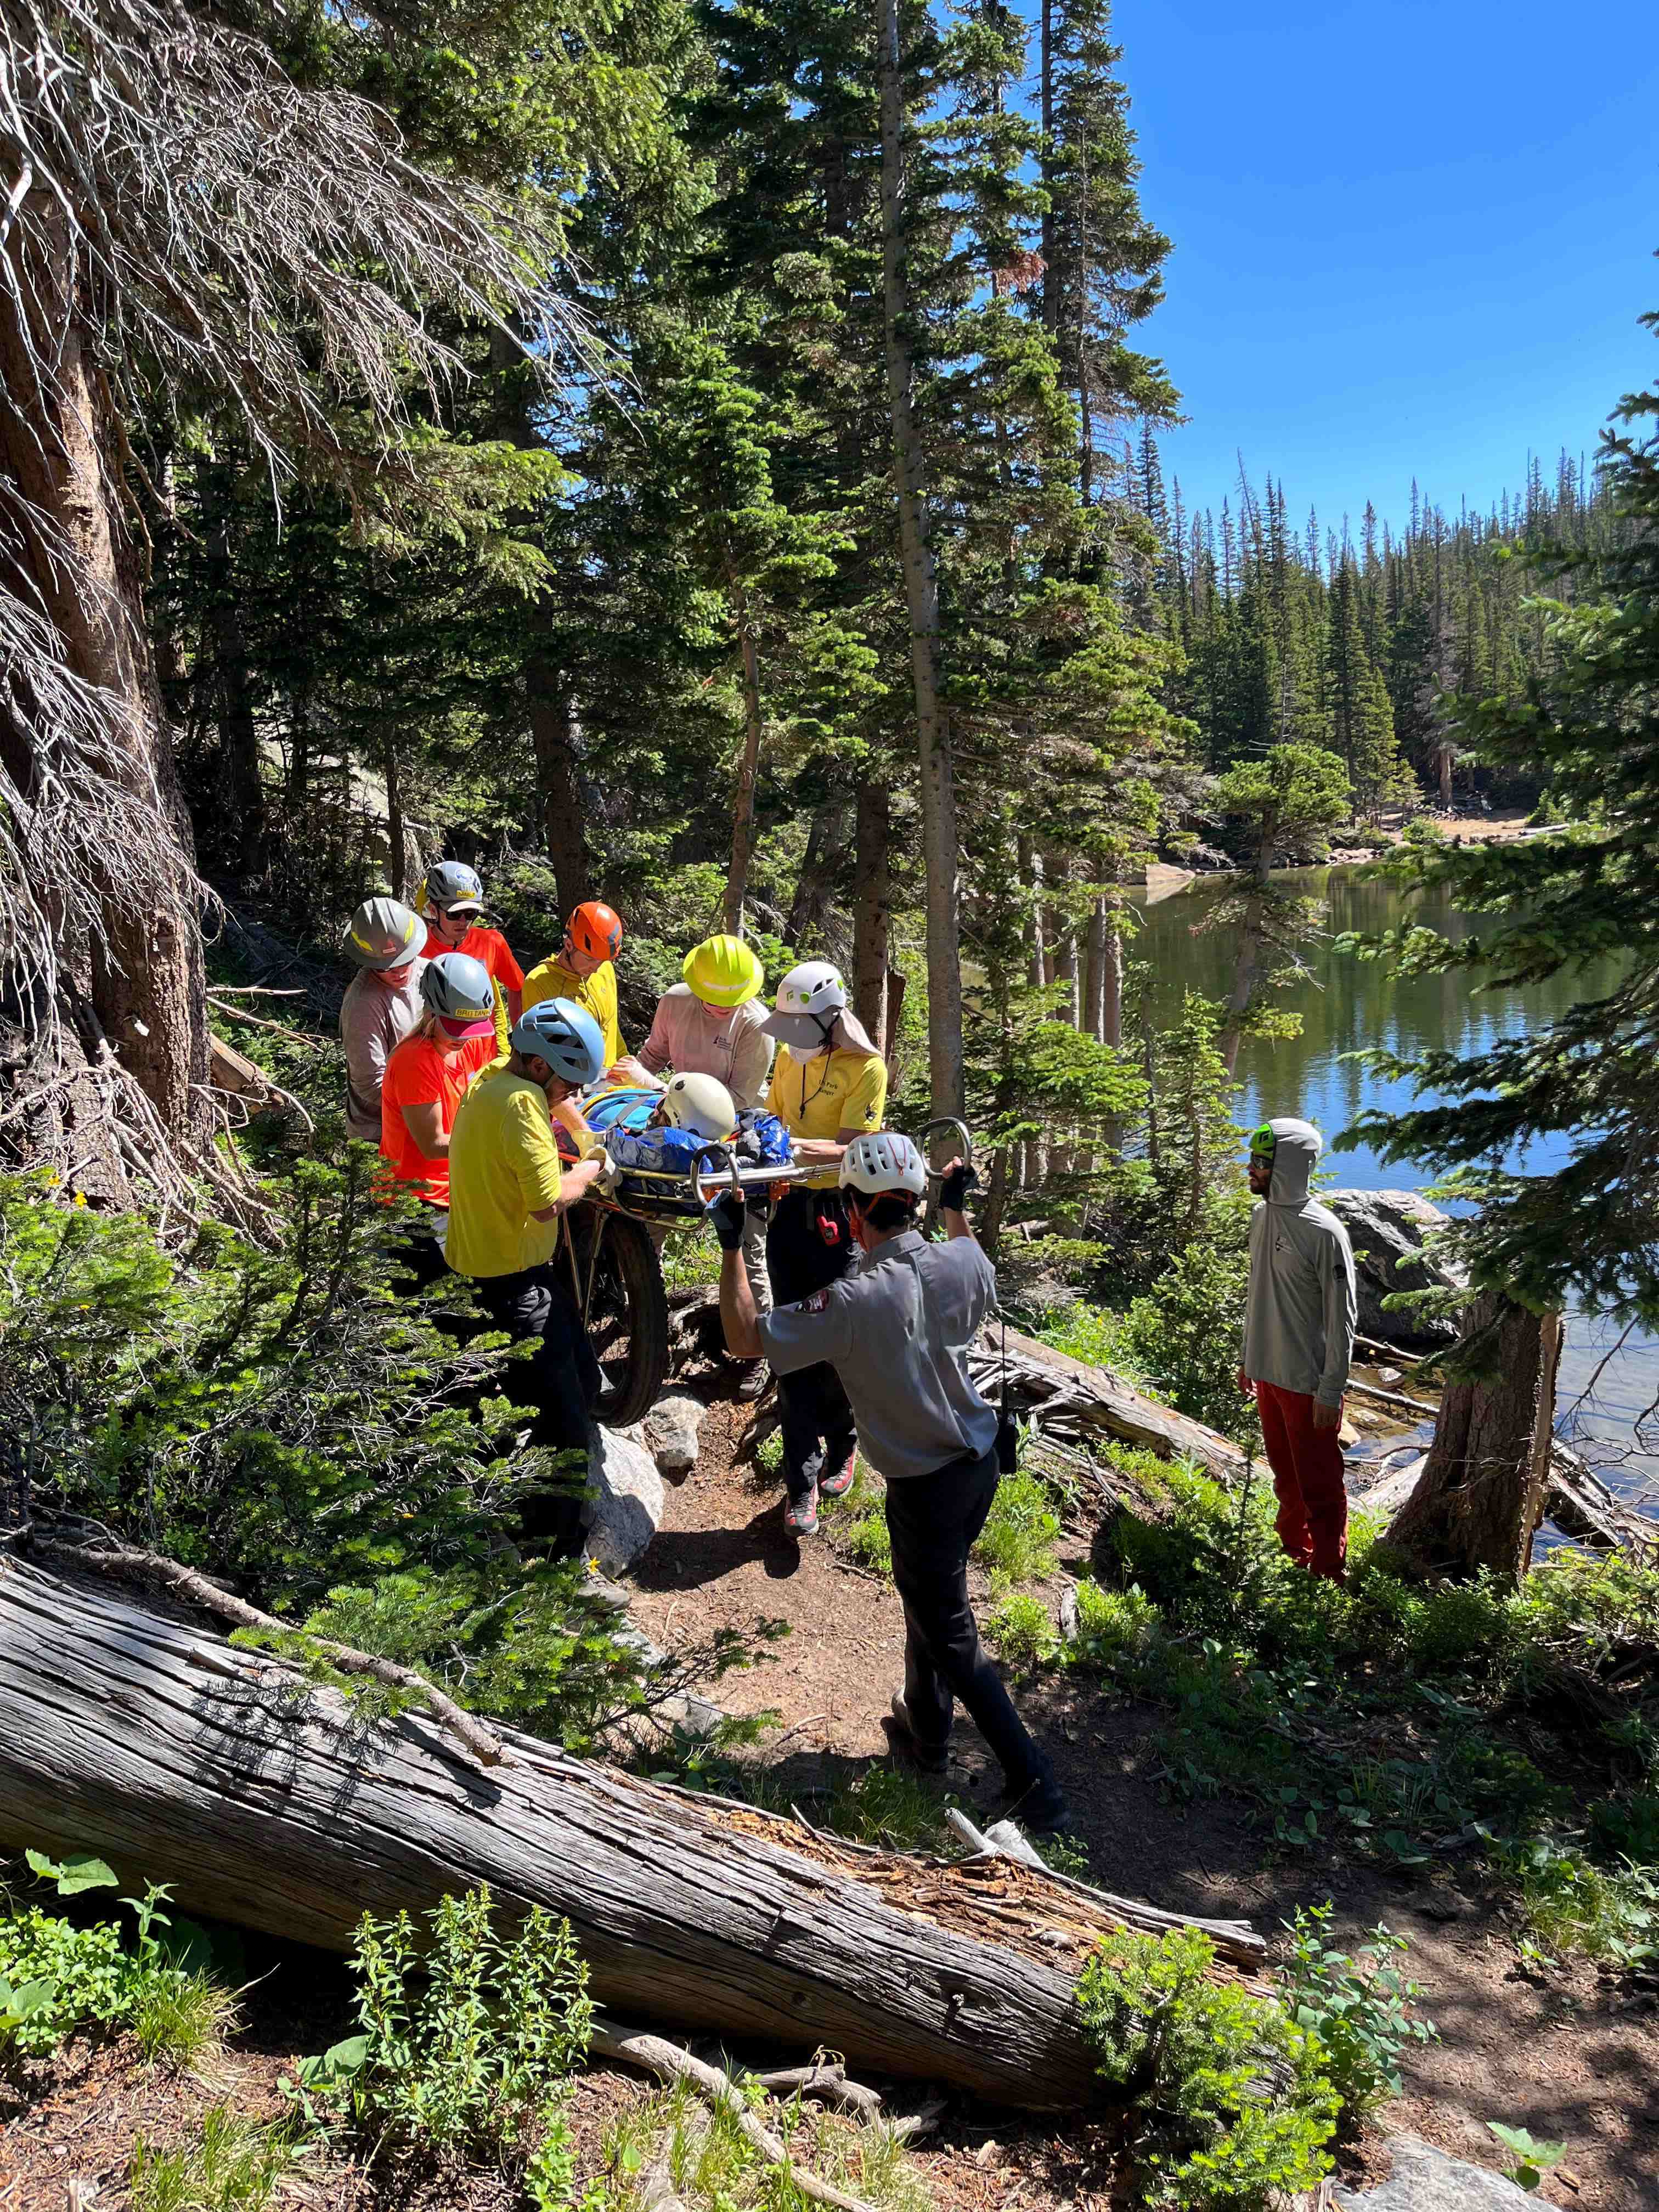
pixel 1481 1493
pixel 262 1799
pixel 152 1566
pixel 1080 1400
pixel 652 2055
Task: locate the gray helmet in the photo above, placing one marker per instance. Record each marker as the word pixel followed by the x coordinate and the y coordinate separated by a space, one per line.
pixel 450 887
pixel 458 989
pixel 564 1034
pixel 385 934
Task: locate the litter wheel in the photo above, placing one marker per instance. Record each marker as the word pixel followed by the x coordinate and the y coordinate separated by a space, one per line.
pixel 626 1310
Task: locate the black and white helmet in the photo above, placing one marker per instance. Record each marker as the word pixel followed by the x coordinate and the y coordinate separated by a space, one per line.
pixel 882 1163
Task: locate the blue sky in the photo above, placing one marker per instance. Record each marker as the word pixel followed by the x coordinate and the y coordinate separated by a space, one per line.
pixel 1410 240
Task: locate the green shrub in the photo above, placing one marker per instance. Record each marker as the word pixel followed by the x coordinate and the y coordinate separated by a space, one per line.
pixel 1460 1625
pixel 1114 1625
pixel 1234 2106
pixel 59 1978
pixel 1016 1544
pixel 1019 1626
pixel 464 2044
pixel 1362 2010
pixel 1570 1905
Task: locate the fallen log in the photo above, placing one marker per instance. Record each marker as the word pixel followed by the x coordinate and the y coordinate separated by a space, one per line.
pixel 1077 1399
pixel 264 1799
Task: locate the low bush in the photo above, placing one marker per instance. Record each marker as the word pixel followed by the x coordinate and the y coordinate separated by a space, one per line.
pixel 1234 2106
pixel 57 1977
pixel 1114 1625
pixel 1016 1544
pixel 1363 2010
pixel 1019 1626
pixel 464 2043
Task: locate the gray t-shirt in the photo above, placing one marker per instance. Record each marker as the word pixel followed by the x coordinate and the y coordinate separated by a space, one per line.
pixel 694 1039
pixel 373 1022
pixel 896 1328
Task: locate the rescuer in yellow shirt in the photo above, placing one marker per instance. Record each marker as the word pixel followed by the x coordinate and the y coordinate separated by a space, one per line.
pixel 829 1087
pixel 507 1192
pixel 584 969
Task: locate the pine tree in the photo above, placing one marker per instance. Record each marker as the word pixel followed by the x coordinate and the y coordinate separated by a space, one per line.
pixel 1589 1228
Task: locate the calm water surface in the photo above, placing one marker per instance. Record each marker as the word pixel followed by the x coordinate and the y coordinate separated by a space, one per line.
pixel 1347 1006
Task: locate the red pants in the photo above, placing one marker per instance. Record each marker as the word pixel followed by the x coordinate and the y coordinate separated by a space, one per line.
pixel 1307 1465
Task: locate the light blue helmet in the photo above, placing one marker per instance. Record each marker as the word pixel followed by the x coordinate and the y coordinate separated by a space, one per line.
pixel 564 1034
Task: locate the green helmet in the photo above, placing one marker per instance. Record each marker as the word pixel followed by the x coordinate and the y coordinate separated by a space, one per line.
pixel 1263 1143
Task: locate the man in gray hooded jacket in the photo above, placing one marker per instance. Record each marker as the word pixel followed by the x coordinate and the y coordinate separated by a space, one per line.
pixel 1299 1318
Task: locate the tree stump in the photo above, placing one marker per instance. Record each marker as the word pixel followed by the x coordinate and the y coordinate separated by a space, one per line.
pixel 1481 1494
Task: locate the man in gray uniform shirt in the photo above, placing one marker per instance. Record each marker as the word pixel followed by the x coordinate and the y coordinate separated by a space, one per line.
pixel 896 1329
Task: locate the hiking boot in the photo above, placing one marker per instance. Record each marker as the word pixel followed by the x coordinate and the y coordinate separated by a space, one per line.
pixel 930 1758
pixel 1039 1808
pixel 800 1514
pixel 753 1376
pixel 839 1481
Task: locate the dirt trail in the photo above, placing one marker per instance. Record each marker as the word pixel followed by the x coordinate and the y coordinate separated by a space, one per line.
pixel 1574 2061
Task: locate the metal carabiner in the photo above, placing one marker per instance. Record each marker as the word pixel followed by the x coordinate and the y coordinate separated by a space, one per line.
pixel 948 1121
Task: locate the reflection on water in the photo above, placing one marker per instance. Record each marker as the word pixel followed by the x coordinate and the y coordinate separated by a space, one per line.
pixel 1347 1006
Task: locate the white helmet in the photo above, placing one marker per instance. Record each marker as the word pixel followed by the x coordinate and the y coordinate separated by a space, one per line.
pixel 810 999
pixel 884 1162
pixel 700 1104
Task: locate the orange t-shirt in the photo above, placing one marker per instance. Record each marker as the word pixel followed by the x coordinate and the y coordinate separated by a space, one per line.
pixel 418 1074
pixel 486 944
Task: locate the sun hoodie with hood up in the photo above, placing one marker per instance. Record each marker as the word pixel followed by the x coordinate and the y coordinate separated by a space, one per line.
pixel 1301 1314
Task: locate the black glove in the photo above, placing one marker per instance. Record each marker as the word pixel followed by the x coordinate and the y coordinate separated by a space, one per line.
pixel 956 1187
pixel 728 1213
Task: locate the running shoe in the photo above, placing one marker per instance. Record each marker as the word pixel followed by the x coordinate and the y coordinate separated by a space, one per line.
pixel 837 1484
pixel 800 1514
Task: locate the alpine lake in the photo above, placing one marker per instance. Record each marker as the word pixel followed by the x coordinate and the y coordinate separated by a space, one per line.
pixel 1349 1006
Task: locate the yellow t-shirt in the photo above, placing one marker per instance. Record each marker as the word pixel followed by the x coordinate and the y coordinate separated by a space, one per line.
pixel 503 1166
pixel 597 992
pixel 815 1100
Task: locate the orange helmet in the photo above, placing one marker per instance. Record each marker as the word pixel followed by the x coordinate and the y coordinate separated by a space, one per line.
pixel 596 929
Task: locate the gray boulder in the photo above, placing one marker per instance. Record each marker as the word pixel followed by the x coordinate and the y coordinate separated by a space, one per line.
pixel 1386 1229
pixel 625 1499
pixel 1425 2180
pixel 673 1431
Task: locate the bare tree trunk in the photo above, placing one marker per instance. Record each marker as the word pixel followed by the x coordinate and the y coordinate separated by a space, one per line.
pixel 871 908
pixel 396 834
pixel 939 825
pixel 1031 873
pixel 143 971
pixel 990 1225
pixel 555 733
pixel 1051 273
pixel 743 802
pixel 820 864
pixel 242 786
pixel 1094 971
pixel 1481 1494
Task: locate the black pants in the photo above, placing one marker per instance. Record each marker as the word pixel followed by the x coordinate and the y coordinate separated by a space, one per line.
pixel 934 1520
pixel 561 1380
pixel 815 1417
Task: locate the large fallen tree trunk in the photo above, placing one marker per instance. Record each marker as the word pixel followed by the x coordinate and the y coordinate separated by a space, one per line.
pixel 262 1799
pixel 1073 1400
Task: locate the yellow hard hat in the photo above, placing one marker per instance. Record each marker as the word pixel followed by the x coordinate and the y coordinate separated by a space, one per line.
pixel 722 971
